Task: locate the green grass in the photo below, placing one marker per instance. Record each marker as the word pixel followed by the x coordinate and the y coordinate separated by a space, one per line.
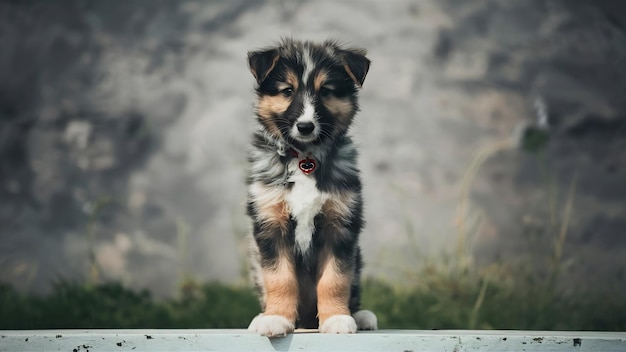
pixel 438 302
pixel 452 304
pixel 73 305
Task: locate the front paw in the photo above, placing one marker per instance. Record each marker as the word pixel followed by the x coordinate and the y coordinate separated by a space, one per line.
pixel 338 324
pixel 271 325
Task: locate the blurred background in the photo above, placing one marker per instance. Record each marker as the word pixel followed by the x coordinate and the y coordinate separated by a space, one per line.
pixel 493 151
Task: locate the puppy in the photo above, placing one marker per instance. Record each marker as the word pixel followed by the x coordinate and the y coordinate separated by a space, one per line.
pixel 304 195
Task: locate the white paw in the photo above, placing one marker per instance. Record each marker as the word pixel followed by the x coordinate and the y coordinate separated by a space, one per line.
pixel 271 325
pixel 365 320
pixel 339 324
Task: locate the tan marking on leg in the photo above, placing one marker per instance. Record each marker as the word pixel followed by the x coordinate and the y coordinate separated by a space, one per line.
pixel 281 287
pixel 270 205
pixel 333 289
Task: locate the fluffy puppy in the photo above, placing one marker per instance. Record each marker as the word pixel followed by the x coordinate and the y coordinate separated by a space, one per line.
pixel 304 195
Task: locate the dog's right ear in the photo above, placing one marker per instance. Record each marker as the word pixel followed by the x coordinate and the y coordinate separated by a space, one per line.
pixel 356 64
pixel 262 63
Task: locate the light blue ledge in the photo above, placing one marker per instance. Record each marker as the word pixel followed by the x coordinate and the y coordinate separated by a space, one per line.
pixel 309 340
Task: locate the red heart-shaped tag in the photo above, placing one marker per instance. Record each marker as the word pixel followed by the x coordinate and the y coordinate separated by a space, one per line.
pixel 307 165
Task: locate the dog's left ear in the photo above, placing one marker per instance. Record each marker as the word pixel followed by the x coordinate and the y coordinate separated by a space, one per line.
pixel 262 63
pixel 356 64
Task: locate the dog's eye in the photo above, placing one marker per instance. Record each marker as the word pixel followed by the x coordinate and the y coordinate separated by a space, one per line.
pixel 287 92
pixel 325 91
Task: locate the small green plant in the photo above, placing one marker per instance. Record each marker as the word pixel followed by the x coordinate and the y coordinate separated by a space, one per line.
pixel 94 209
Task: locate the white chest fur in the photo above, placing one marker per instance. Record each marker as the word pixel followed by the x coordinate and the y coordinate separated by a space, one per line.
pixel 305 201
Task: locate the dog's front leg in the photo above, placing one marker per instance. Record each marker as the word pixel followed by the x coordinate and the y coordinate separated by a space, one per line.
pixel 280 295
pixel 339 227
pixel 333 296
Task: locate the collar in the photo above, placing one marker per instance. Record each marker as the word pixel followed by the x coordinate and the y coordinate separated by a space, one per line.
pixel 307 164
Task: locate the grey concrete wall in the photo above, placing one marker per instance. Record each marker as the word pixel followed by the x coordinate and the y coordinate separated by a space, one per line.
pixel 124 125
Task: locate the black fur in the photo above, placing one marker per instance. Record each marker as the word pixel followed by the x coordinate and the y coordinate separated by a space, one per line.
pixel 275 148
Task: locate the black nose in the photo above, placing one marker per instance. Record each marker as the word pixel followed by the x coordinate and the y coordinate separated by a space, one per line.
pixel 305 128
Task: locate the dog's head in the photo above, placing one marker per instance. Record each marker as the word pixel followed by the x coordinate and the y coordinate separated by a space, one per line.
pixel 307 93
